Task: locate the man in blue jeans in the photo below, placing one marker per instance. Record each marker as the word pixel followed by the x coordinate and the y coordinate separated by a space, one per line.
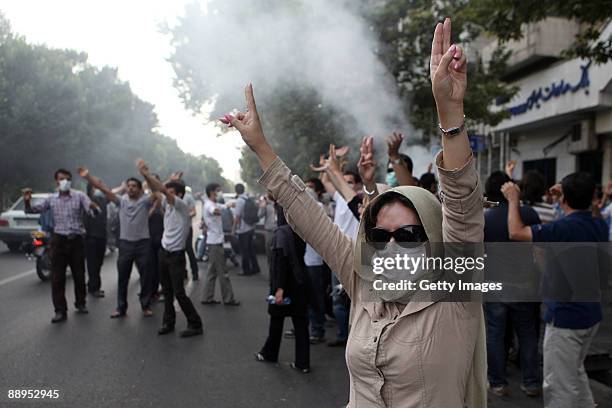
pixel 570 326
pixel 522 317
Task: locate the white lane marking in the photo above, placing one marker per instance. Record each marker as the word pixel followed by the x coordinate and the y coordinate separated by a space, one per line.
pixel 16 277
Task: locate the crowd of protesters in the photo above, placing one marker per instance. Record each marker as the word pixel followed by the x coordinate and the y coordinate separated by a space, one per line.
pixel 400 349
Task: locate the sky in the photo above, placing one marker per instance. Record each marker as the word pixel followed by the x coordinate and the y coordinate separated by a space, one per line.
pixel 125 34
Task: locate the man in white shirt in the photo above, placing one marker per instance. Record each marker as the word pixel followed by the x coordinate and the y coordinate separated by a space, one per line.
pixel 216 255
pixel 319 280
pixel 172 264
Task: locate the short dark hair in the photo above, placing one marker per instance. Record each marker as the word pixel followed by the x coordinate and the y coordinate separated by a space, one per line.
pixel 493 186
pixel 178 187
pixel 428 180
pixel 533 187
pixel 578 189
pixel 62 171
pixel 212 187
pixel 356 177
pixel 239 188
pixel 90 190
pixel 406 160
pixel 319 187
pixel 135 180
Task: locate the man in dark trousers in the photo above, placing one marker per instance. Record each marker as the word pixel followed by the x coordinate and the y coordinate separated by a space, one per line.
pixel 522 316
pixel 570 326
pixel 67 207
pixel 134 240
pixel 244 228
pixel 95 242
pixel 172 264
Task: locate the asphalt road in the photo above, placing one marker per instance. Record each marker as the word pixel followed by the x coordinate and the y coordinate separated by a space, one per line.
pixel 94 361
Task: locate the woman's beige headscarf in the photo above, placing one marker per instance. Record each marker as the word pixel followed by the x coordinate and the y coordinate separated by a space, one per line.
pixel 429 211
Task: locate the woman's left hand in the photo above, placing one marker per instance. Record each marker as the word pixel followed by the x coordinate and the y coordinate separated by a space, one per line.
pixel 448 71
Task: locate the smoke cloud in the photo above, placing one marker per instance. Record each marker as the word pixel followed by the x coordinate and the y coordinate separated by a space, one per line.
pixel 326 45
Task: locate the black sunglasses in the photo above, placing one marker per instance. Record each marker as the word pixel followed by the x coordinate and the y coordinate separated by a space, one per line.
pixel 405 234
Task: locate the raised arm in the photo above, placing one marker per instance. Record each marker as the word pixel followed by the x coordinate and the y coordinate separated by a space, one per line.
pixel 448 69
pixel 156 185
pixel 331 169
pixel 304 215
pixel 97 183
pixel 367 168
pixel 404 176
pixel 461 193
pixel 517 230
pixel 27 203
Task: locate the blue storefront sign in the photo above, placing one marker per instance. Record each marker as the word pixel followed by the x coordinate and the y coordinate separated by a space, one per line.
pixel 477 143
pixel 554 90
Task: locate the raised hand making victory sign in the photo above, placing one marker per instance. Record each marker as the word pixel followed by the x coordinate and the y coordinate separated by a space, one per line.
pixel 249 126
pixel 448 70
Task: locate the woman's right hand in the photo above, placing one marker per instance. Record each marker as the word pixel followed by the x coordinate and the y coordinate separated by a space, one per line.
pixel 249 126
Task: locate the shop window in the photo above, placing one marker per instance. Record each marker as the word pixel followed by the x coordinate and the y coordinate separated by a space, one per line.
pixel 546 167
pixel 592 163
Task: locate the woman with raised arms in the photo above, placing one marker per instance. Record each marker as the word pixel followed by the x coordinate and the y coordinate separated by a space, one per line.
pixel 404 350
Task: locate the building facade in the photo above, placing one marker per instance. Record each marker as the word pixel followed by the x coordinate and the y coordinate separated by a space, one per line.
pixel 561 117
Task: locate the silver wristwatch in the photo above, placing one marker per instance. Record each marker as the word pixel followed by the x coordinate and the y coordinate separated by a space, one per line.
pixel 453 131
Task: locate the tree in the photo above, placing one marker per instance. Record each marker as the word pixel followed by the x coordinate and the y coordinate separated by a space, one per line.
pixel 298 122
pixel 506 18
pixel 57 110
pixel 299 127
pixel 405 29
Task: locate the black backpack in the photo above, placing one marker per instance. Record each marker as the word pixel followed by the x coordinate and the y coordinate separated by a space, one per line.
pixel 250 213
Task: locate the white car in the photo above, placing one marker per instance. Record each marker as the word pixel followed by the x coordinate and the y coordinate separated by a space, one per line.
pixel 16 226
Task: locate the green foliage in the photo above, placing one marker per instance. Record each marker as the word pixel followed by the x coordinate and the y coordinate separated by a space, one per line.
pixel 405 27
pixel 56 110
pixel 504 19
pixel 299 126
pixel 298 123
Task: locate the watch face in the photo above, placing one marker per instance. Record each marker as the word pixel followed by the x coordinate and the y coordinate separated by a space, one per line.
pixel 454 131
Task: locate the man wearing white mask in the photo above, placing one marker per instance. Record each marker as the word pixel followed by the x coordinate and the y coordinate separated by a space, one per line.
pixel 67 207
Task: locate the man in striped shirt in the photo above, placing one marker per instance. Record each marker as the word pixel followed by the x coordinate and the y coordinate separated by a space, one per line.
pixel 68 207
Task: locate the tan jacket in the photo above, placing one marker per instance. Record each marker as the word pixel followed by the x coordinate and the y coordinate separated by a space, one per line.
pixel 424 355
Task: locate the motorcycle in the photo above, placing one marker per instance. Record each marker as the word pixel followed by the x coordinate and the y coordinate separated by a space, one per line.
pixel 202 252
pixel 39 249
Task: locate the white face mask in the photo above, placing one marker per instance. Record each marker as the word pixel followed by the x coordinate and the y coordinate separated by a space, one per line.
pixel 412 262
pixel 64 185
